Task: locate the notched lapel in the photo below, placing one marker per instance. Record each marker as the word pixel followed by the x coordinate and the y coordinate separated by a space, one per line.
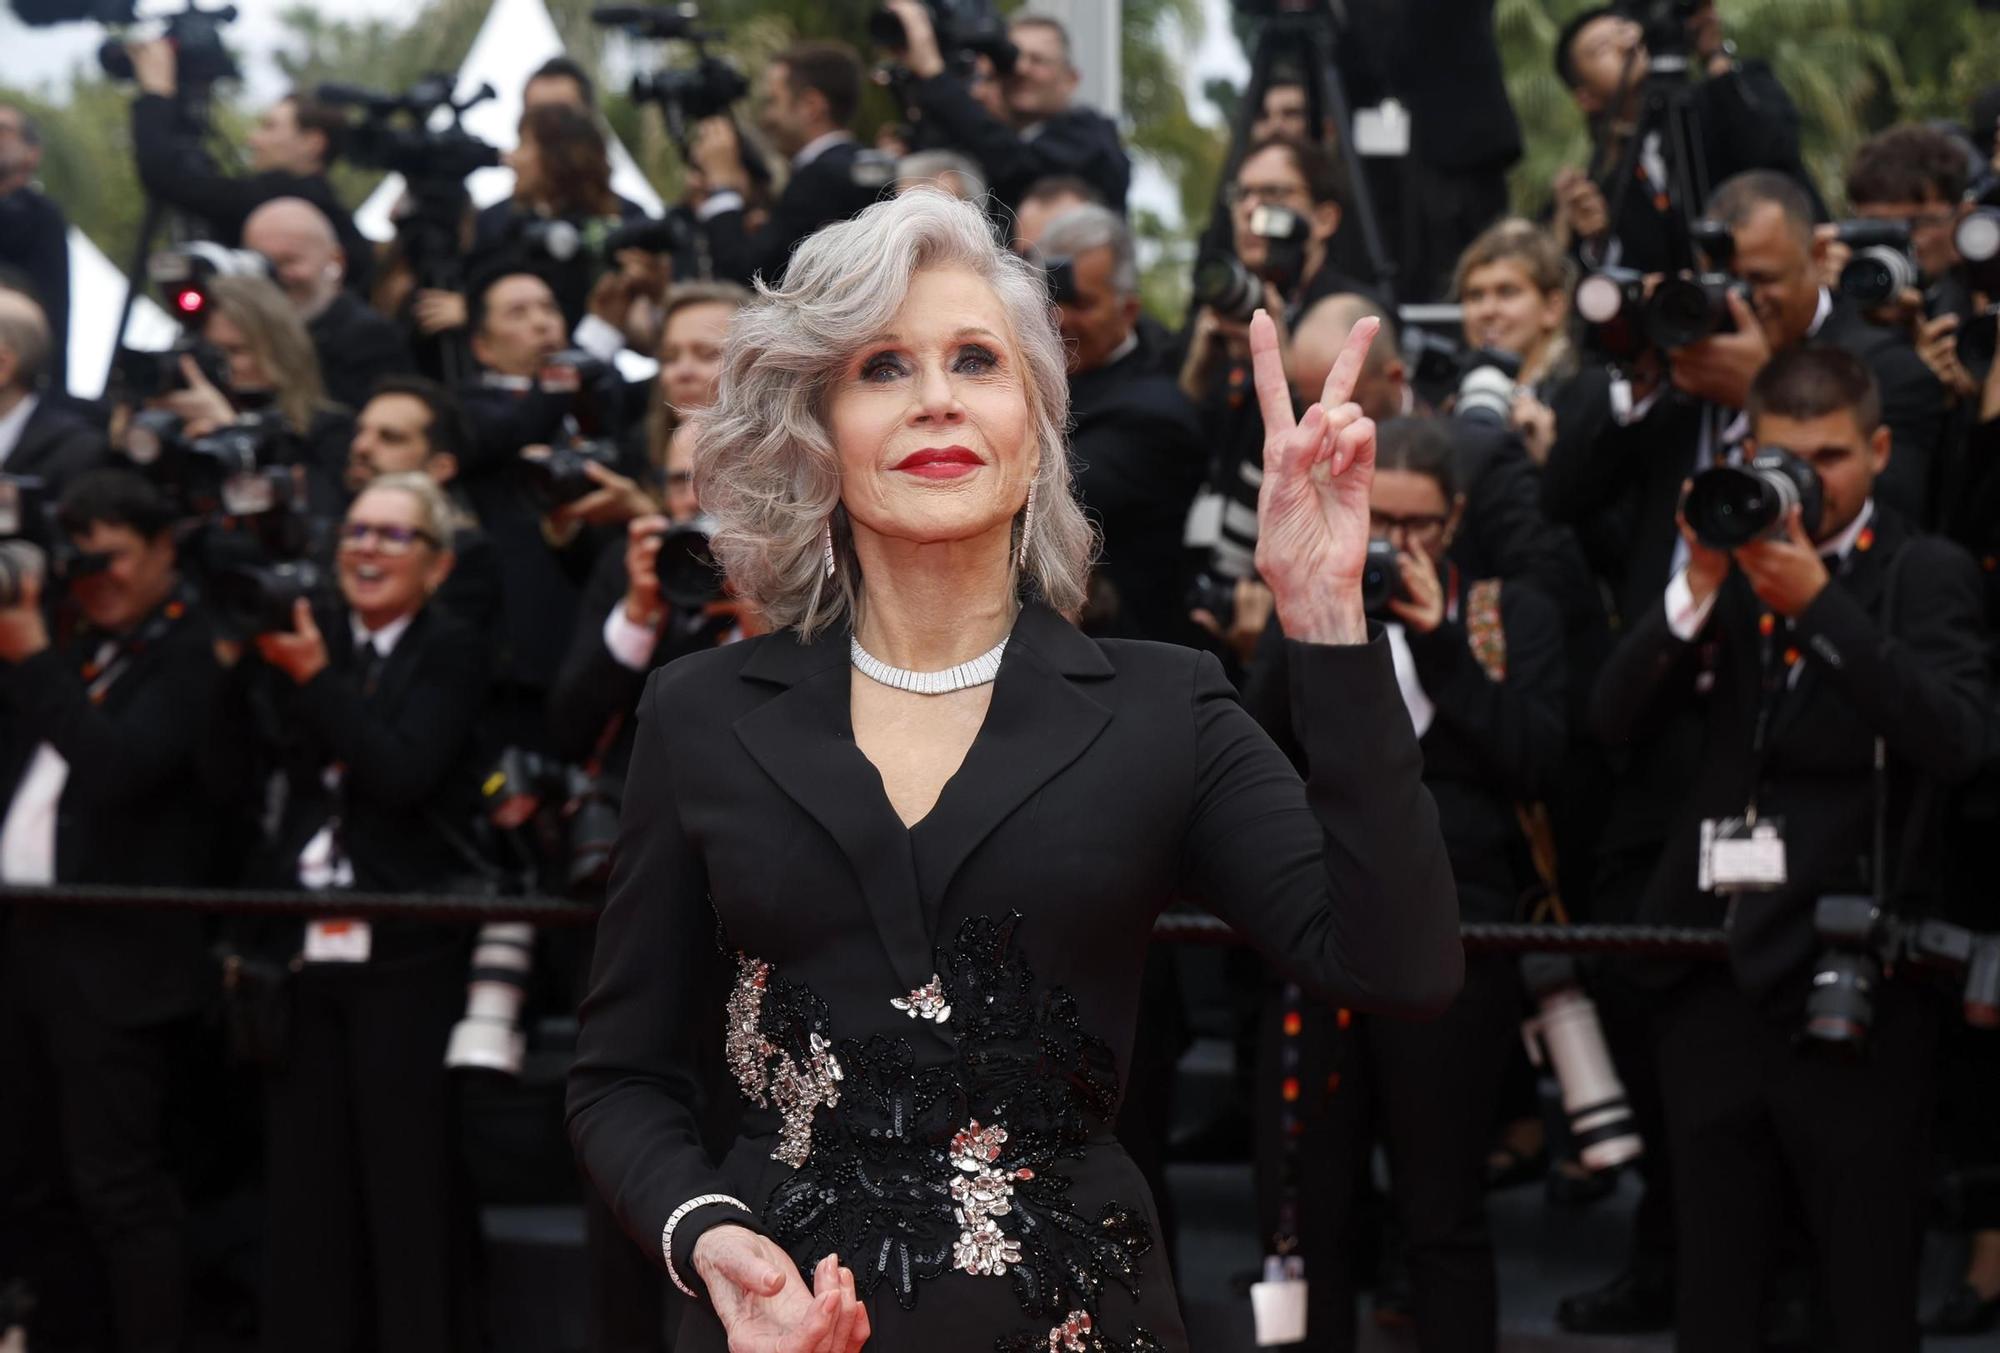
pixel 804 740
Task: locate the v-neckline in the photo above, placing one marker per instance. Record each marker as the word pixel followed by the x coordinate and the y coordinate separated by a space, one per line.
pixel 888 804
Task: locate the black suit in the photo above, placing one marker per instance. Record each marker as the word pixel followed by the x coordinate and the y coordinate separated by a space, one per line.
pixel 1745 1107
pixel 360 1164
pixel 356 348
pixel 1139 457
pixel 1106 777
pixel 175 168
pixel 1913 405
pixel 55 447
pixel 1491 743
pixel 1077 141
pixel 89 997
pixel 827 190
pixel 34 240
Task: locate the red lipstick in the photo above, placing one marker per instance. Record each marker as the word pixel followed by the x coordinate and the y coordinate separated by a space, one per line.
pixel 944 462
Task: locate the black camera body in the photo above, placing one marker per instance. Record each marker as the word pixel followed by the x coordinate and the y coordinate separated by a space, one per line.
pixel 690 579
pixel 966 30
pixel 1381 580
pixel 201 58
pixel 259 597
pixel 1234 290
pixel 395 135
pixel 1728 506
pixel 138 375
pixel 1611 302
pixel 1865 944
pixel 670 234
pixel 561 477
pixel 1882 267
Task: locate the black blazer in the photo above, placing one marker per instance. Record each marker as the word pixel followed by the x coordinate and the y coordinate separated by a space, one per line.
pixel 55 447
pixel 357 346
pixel 135 811
pixel 405 752
pixel 1491 744
pixel 1924 687
pixel 1139 457
pixel 34 241
pixel 825 191
pixel 1079 141
pixel 1108 777
pixel 1913 405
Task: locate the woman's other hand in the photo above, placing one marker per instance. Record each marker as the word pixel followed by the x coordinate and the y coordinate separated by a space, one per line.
pixel 764 1306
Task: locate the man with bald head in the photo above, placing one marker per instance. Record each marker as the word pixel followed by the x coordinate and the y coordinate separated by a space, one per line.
pixel 356 346
pixel 37 439
pixel 1506 533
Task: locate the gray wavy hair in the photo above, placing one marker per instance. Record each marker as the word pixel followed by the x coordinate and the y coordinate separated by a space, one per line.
pixel 765 466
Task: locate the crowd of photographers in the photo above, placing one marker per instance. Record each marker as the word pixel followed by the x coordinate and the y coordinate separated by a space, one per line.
pixel 1686 526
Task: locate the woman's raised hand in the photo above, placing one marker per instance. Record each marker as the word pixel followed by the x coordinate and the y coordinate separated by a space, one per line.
pixel 763 1305
pixel 1312 511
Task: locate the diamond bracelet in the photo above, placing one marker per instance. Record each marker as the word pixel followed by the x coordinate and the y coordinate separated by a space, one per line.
pixel 667 1235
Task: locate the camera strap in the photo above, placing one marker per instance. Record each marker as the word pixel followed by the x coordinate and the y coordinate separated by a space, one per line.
pixel 115 659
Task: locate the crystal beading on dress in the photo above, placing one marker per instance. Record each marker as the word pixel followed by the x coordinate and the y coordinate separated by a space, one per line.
pixel 920 1171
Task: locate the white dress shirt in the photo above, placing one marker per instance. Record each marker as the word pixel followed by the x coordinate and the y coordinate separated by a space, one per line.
pixel 28 837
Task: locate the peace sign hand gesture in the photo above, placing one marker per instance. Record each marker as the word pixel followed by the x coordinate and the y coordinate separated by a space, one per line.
pixel 1312 511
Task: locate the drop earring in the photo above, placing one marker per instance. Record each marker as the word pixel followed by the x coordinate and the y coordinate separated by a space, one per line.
pixel 1027 523
pixel 826 547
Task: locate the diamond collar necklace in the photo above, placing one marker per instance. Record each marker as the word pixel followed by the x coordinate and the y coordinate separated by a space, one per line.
pixel 972 672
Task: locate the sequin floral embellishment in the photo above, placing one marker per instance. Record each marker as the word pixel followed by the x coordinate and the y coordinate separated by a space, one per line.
pixel 1078 1334
pixel 926 1002
pixel 798 1079
pixel 979 1195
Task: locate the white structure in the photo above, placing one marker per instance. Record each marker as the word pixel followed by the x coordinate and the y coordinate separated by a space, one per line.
pixel 1094 39
pixel 96 296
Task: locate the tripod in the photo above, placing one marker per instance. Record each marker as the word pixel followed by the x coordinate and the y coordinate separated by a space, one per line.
pixel 1307 26
pixel 1666 109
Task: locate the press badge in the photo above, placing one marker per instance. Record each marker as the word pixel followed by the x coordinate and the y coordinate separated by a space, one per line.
pixel 1382 132
pixel 338 941
pixel 1278 1304
pixel 1741 856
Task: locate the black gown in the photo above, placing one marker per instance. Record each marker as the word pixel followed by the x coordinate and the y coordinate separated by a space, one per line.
pixel 928 1025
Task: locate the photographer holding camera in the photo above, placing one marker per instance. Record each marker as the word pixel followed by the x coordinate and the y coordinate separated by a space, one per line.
pixel 1813 633
pixel 290 150
pixel 809 97
pixel 34 233
pixel 271 370
pixel 543 468
pixel 1136 441
pixel 1915 176
pixel 355 345
pixel 1481 667
pixel 364 718
pixel 1745 119
pixel 101 741
pixel 37 439
pixel 1045 132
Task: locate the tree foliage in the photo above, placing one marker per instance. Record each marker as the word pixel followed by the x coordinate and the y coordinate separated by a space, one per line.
pixel 1853 66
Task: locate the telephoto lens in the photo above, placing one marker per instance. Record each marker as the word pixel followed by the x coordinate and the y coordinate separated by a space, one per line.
pixel 489 1038
pixel 1224 285
pixel 1729 506
pixel 1685 310
pixel 20 560
pixel 1840 1004
pixel 1564 1034
pixel 1882 268
pixel 1982 985
pixel 1486 390
pixel 1978 240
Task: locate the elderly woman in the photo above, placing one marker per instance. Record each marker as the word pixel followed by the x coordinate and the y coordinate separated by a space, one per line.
pixel 931 825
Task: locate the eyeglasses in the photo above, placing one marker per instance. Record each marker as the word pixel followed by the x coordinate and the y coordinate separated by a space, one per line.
pixel 1262 194
pixel 1384 524
pixel 388 539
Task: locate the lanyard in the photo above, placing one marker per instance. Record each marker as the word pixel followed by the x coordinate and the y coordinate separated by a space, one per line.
pixel 101 671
